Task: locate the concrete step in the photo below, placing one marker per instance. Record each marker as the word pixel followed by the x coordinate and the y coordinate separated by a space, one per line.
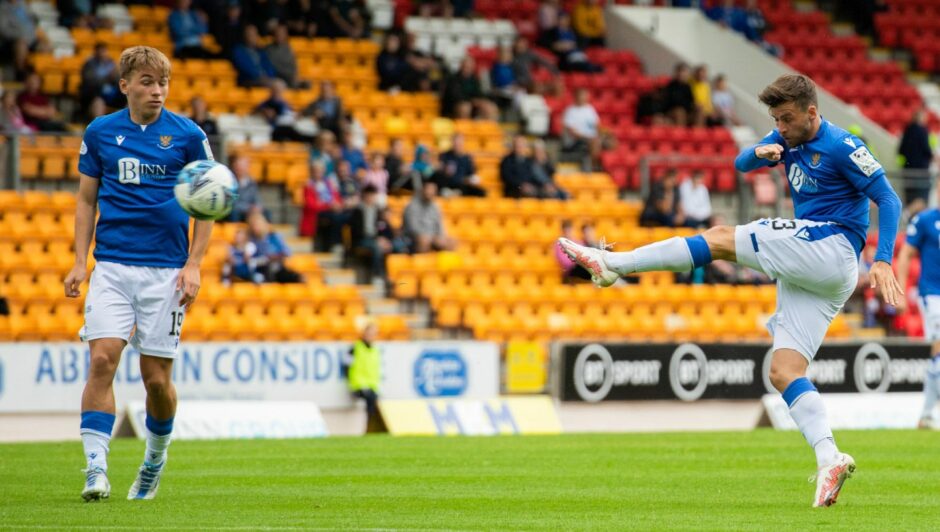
pixel 416 321
pixel 428 334
pixel 383 306
pixel 329 261
pixel 339 276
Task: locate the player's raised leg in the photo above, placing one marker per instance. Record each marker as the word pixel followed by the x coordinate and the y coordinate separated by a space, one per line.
pixel 161 409
pixel 673 255
pixel 98 415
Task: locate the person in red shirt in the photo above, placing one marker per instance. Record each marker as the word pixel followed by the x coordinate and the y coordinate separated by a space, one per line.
pixel 38 111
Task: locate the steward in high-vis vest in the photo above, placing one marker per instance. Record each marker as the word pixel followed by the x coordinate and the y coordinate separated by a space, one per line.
pixel 365 374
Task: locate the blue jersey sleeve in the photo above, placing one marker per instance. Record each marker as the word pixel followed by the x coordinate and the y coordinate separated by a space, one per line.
pixel 865 173
pixel 916 232
pixel 856 163
pixel 198 149
pixel 747 161
pixel 89 161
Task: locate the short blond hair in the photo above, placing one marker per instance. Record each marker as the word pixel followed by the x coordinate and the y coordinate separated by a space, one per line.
pixel 139 57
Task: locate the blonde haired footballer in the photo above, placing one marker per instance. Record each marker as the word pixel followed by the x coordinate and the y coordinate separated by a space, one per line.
pixel 813 257
pixel 146 270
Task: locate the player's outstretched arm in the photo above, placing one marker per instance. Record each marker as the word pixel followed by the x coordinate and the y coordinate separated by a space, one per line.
pixel 189 279
pixel 85 208
pixel 757 156
pixel 904 261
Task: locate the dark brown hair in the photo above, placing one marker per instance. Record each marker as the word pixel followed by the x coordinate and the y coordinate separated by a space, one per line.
pixel 795 88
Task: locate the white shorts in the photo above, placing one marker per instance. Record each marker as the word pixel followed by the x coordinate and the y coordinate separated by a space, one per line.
pixel 930 312
pixel 121 297
pixel 816 269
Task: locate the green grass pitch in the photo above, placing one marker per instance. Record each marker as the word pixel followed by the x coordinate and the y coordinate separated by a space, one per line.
pixel 711 481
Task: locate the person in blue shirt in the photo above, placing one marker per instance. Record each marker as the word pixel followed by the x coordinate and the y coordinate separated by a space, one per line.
pixel 251 61
pixel 923 237
pixel 187 26
pixel 147 269
pixel 813 257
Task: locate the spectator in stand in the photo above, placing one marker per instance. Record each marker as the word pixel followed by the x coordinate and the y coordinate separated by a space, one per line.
pixel 327 109
pixel 17 34
pixel 100 79
pixel 278 113
pixel 651 107
pixel 723 101
pixel 38 111
pixel 282 58
pixel 588 22
pixel 200 115
pixel 422 167
pixel 458 173
pixel 917 153
pixel 463 95
pixel 345 19
pixel 581 128
pixel 376 176
pixel 249 195
pixel 424 223
pixel 543 173
pixel 80 14
pixel 251 61
pixel 421 67
pixel 755 25
pixel 322 209
pixel 728 15
pixel 353 154
pixel 11 117
pixel 445 8
pixel 242 261
pixel 272 251
pixel 663 205
pixel 349 187
pixel 187 28
pixel 391 64
pixel 564 43
pixel 400 176
pixel 680 103
pixel 702 95
pixel 696 201
pixel 229 29
pixel 321 150
pixel 523 62
pixel 570 270
pixel 515 171
pixel 504 88
pixel 548 13
pixel 371 234
pixel 264 14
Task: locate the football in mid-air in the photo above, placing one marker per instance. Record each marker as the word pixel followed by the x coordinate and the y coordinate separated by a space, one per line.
pixel 206 190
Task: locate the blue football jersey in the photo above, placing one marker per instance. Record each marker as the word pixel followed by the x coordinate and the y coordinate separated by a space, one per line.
pixel 924 234
pixel 140 223
pixel 828 176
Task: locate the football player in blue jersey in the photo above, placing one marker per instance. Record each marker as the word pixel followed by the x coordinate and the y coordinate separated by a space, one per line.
pixel 813 257
pixel 147 271
pixel 923 237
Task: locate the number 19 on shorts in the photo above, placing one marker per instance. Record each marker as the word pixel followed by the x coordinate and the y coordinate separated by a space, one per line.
pixel 176 323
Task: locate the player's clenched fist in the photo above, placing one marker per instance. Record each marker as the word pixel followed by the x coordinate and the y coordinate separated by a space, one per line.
pixel 73 280
pixel 771 152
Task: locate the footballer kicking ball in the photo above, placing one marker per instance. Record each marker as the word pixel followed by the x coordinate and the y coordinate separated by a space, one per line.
pixel 206 190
